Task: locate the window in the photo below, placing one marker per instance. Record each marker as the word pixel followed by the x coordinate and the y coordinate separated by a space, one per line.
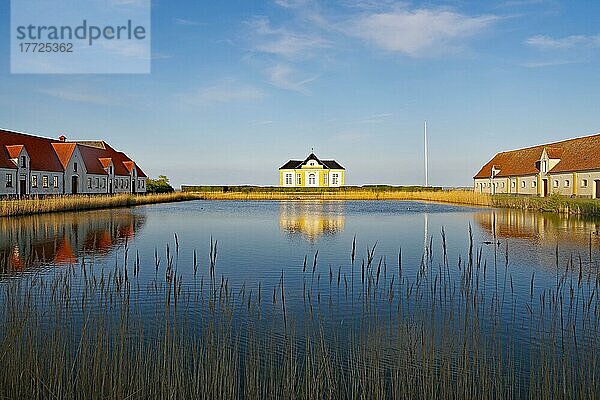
pixel 311 179
pixel 33 181
pixel 103 182
pixel 533 183
pixel 503 184
pixel 45 181
pixel 97 183
pixel 544 166
pixel 312 163
pixel 523 183
pixel 513 184
pixel 584 183
pixel 298 179
pixel 288 179
pixel 556 183
pixel 334 179
pixel 9 180
pixel 325 176
pixel 74 167
pixel 55 181
pixel 567 183
pixel 23 162
pixel 89 183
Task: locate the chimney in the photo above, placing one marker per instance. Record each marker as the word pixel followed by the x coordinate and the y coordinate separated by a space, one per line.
pixel 62 138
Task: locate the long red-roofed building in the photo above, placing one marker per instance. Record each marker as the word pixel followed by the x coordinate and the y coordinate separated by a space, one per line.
pixel 35 165
pixel 569 168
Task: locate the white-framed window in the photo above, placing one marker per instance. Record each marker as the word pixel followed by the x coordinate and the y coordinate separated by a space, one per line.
pixel 312 163
pixel 288 179
pixel 97 183
pixel 33 181
pixel 23 162
pixel 325 178
pixel 556 183
pixel 334 179
pixel 513 184
pixel 55 181
pixel 298 179
pixel 45 181
pixel 523 183
pixel 312 179
pixel 9 180
pixel 567 183
pixel 502 184
pixel 89 183
pixel 103 182
pixel 584 183
pixel 533 183
pixel 544 166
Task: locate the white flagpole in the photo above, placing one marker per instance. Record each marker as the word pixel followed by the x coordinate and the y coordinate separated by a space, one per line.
pixel 426 172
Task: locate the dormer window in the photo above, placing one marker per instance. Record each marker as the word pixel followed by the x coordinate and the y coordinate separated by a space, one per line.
pixel 23 162
pixel 74 167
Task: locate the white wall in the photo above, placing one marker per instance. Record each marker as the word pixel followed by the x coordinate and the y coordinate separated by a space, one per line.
pixel 3 179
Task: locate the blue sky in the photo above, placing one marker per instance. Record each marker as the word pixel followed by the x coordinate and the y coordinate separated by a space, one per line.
pixel 239 87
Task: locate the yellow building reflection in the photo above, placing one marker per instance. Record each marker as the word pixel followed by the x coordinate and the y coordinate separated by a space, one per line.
pixel 311 219
pixel 55 239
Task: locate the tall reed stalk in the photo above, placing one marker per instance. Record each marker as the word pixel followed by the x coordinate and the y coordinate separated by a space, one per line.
pixel 451 330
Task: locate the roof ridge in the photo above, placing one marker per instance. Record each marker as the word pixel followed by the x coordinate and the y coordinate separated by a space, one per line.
pixel 550 144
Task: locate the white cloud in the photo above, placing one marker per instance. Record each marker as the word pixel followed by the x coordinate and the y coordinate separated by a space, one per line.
pixel 543 42
pixel 284 42
pixel 187 22
pixel 551 63
pixel 82 95
pixel 285 77
pixel 418 33
pixel 224 92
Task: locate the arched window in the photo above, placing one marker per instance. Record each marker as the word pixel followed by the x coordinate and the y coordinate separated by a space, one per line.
pixel 312 179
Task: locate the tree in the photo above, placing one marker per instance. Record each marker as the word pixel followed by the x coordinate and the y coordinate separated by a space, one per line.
pixel 160 185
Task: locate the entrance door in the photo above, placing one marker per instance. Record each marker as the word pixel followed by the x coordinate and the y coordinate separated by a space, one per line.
pixel 22 187
pixel 597 182
pixel 74 184
pixel 545 187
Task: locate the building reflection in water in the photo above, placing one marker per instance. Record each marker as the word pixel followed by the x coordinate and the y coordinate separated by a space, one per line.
pixel 311 219
pixel 59 239
pixel 543 228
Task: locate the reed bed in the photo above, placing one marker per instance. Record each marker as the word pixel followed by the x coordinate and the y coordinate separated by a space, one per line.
pixel 461 197
pixel 38 205
pixel 452 330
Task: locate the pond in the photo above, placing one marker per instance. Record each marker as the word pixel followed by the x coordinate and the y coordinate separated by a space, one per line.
pixel 480 278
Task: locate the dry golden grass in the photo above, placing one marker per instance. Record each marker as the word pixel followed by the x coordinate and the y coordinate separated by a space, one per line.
pixel 79 203
pixel 464 197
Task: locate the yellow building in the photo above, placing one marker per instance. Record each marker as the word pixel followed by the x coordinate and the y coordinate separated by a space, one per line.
pixel 311 172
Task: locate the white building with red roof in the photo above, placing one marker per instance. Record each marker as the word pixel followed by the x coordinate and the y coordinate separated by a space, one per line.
pixel 34 165
pixel 568 168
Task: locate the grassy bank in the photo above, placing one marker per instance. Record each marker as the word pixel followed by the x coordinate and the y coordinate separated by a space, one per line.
pixel 451 331
pixel 464 197
pixel 555 204
pixel 80 203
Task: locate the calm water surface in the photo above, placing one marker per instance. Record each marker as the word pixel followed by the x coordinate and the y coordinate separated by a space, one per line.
pixel 258 240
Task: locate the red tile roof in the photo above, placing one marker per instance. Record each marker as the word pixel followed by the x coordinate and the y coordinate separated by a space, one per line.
pixel 53 155
pixel 64 151
pixel 580 154
pixel 5 159
pixel 40 150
